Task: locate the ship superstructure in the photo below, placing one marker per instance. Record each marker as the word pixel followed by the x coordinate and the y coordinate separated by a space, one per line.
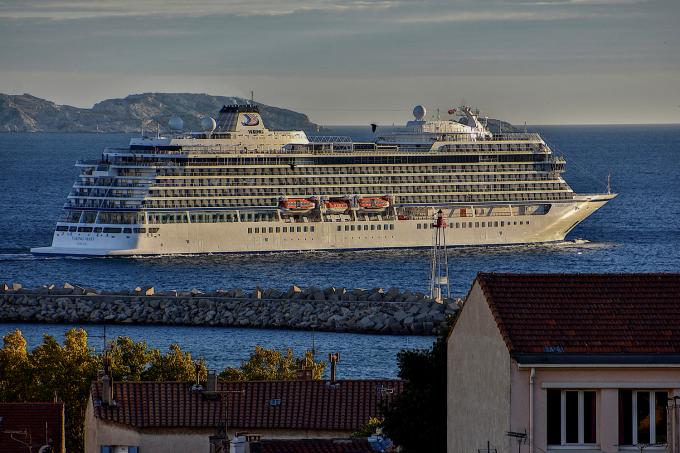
pixel 238 187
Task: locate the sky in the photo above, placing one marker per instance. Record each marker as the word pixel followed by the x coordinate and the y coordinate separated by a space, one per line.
pixel 358 61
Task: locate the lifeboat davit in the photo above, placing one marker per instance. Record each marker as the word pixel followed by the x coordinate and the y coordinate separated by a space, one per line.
pixel 336 205
pixel 297 204
pixel 373 203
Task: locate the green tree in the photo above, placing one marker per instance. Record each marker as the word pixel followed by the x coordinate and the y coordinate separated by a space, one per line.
pixel 128 360
pixel 176 365
pixel 416 419
pixel 272 365
pixel 14 368
pixel 65 372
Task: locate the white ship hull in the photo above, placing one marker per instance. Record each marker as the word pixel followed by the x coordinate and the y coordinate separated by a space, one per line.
pixel 262 237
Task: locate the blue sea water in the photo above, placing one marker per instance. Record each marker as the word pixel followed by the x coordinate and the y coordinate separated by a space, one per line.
pixel 639 231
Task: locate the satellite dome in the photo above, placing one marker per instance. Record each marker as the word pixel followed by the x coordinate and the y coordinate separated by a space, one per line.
pixel 208 124
pixel 176 123
pixel 419 112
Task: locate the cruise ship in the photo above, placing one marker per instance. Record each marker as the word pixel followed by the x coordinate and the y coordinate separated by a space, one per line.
pixel 238 187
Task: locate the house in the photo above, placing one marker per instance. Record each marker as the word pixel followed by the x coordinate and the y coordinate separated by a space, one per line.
pixel 30 426
pixel 565 363
pixel 373 444
pixel 315 446
pixel 178 416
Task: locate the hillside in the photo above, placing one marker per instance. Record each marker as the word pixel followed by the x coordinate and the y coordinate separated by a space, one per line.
pixel 27 113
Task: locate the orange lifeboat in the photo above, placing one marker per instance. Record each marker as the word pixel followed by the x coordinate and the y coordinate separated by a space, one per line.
pixel 336 205
pixel 297 204
pixel 373 203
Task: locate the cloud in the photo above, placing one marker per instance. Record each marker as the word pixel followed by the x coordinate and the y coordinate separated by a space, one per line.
pixel 580 2
pixel 85 9
pixel 492 16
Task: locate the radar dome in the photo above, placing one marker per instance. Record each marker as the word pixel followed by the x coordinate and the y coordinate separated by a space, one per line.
pixel 208 124
pixel 176 123
pixel 419 112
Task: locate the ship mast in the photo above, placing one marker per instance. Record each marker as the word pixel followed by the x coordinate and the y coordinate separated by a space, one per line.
pixel 439 276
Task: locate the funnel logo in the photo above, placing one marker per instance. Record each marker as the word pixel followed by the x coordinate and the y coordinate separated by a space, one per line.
pixel 250 120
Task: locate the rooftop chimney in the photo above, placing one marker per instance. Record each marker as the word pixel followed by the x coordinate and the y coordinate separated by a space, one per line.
pixel 107 390
pixel 333 358
pixel 303 373
pixel 212 381
pixel 107 381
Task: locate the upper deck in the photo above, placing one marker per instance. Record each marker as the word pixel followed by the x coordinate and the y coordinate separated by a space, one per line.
pixel 442 143
pixel 239 130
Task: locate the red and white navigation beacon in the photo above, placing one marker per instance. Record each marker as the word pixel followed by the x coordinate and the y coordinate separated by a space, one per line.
pixel 439 277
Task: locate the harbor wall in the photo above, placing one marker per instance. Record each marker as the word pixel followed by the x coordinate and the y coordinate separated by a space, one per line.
pixel 375 311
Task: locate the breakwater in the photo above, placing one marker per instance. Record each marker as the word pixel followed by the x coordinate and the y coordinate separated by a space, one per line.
pixel 331 309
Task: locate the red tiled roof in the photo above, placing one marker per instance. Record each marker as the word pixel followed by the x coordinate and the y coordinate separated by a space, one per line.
pixel 31 418
pixel 316 446
pixel 302 405
pixel 586 313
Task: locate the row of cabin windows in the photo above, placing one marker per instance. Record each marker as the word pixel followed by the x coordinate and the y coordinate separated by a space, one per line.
pixel 346 160
pixel 480 146
pixel 379 227
pixel 572 417
pixel 341 160
pixel 113 182
pixel 341 179
pixel 419 199
pixel 273 201
pixel 285 229
pixel 203 195
pixel 345 188
pixel 502 223
pixel 340 170
pixel 108 230
pixel 199 217
pixel 102 217
pixel 135 172
pixel 120 193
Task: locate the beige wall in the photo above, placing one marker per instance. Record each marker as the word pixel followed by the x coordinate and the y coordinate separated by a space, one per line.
pixel 478 381
pixel 606 381
pixel 489 394
pixel 98 432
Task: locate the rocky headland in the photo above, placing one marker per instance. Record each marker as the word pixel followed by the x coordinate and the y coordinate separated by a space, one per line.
pixel 375 310
pixel 27 113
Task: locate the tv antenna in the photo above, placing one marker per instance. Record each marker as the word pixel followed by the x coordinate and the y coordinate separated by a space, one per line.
pixel 103 336
pixel 313 346
pixel 521 438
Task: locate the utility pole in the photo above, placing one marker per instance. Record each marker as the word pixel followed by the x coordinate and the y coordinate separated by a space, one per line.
pixel 439 276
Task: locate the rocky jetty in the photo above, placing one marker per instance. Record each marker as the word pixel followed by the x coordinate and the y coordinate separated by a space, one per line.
pixel 374 310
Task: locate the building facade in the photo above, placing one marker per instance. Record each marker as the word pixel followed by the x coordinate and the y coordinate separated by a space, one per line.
pixel 145 417
pixel 32 427
pixel 562 363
